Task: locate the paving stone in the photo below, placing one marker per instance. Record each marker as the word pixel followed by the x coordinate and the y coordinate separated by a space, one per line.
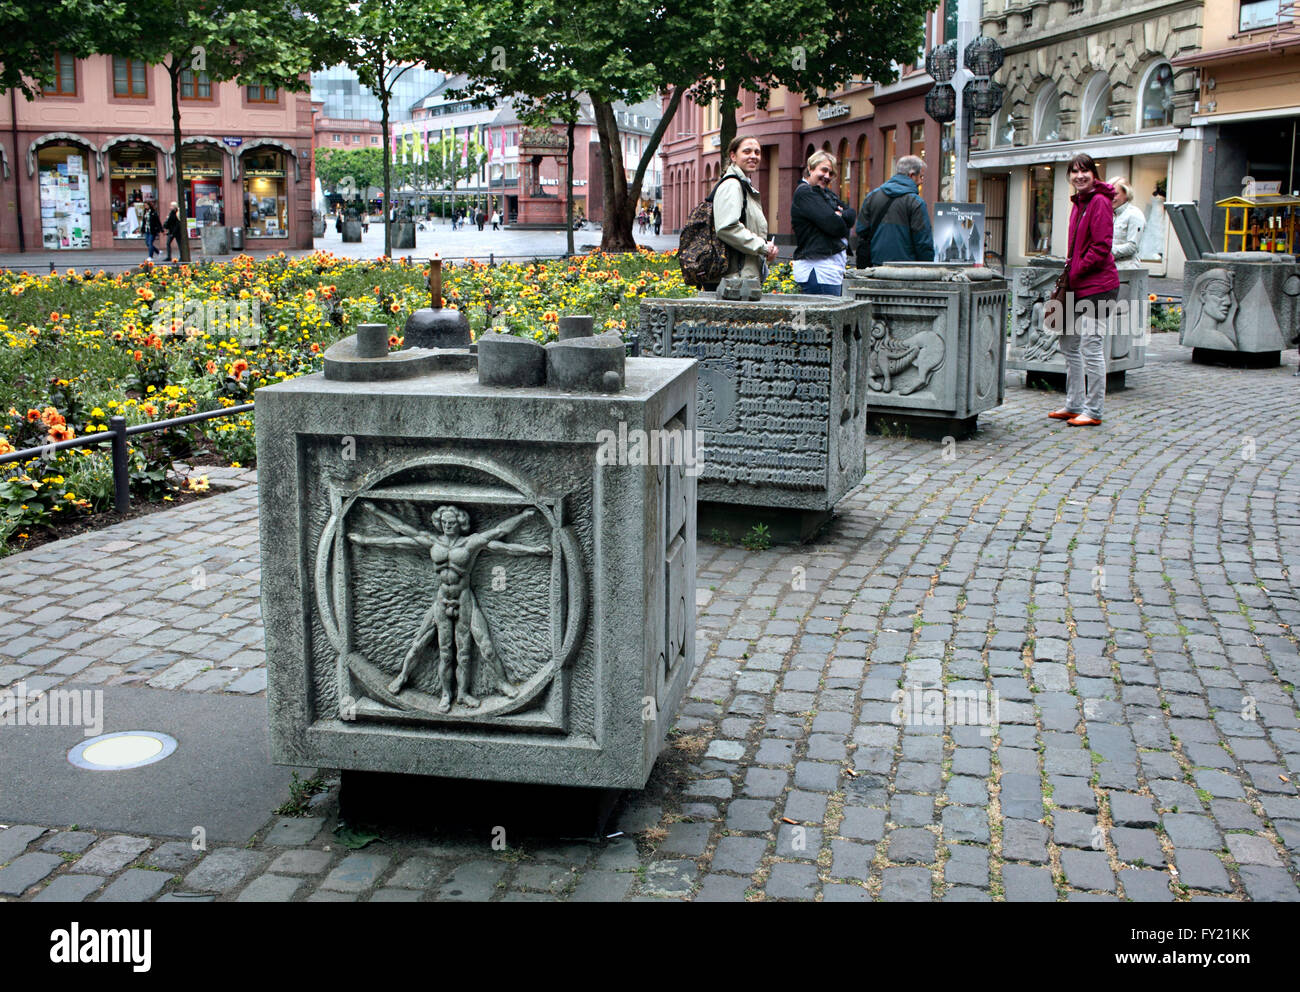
pixel 1128 810
pixel 791 881
pixel 603 886
pixel 357 872
pixel 686 838
pixel 1087 870
pixel 911 845
pixel 1247 849
pixel 1268 884
pixel 722 888
pixel 967 865
pixel 807 807
pixel 1024 884
pixel 310 862
pixel 752 815
pixel 1201 870
pixel 71 841
pixel 863 823
pixel 818 776
pixel 14 840
pixel 905 885
pixel 395 895
pixel 849 860
pixel 669 879
pixel 294 831
pixel 1133 846
pixel 544 877
pixel 111 855
pixel 25 871
pixel 741 855
pixel 70 888
pixel 472 881
pixel 1189 830
pixel 1143 885
pixel 1024 840
pixel 223 870
pixel 135 885
pixel 844 892
pixel 965 823
pixel 764 782
pixel 173 855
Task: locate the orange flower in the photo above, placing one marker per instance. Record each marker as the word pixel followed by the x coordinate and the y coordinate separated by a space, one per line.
pixel 394 341
pixel 210 367
pixel 239 368
pixel 550 316
pixel 33 416
pixel 52 417
pixel 315 348
pixel 396 308
pixel 148 409
pixel 1152 298
pixel 62 433
pixel 138 355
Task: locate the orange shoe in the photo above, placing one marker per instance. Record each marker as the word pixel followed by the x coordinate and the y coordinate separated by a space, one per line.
pixel 1082 421
pixel 1063 414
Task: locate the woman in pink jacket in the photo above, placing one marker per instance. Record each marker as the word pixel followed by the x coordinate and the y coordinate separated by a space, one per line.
pixel 1093 282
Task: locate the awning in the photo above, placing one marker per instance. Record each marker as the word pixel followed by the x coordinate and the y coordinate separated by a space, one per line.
pixel 1100 147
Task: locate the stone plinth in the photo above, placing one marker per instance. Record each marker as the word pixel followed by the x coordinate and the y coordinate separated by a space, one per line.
pixel 1240 308
pixel 476 582
pixel 352 231
pixel 215 240
pixel 936 354
pixel 403 235
pixel 782 394
pixel 1037 351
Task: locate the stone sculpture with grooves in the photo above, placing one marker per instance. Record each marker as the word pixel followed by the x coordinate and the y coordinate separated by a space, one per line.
pixel 510 361
pixel 587 365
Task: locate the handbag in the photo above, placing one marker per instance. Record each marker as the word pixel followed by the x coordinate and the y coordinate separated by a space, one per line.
pixel 1054 316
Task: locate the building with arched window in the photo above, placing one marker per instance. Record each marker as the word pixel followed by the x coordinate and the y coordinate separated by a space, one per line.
pixel 79 163
pixel 1089 76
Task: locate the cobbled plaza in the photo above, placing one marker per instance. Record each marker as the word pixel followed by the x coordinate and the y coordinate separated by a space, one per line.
pixel 1123 599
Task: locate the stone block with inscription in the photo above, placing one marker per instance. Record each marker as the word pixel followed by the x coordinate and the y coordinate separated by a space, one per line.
pixel 1036 349
pixel 782 394
pixel 935 346
pixel 477 581
pixel 1240 307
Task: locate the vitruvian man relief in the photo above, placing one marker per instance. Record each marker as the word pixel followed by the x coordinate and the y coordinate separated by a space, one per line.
pixel 450 590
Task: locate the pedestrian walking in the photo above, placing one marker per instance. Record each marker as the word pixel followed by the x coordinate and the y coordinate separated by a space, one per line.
pixel 659 218
pixel 152 228
pixel 894 224
pixel 365 222
pixel 1129 222
pixel 173 229
pixel 481 218
pixel 338 220
pixel 496 220
pixel 821 223
pixel 1091 285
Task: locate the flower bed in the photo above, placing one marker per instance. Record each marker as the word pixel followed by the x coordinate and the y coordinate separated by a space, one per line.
pixel 160 343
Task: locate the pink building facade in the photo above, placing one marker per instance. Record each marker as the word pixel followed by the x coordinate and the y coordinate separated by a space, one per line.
pixel 79 162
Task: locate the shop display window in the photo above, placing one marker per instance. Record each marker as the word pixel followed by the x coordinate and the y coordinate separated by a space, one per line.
pixel 1041 184
pixel 266 195
pixel 64 197
pixel 204 167
pixel 132 182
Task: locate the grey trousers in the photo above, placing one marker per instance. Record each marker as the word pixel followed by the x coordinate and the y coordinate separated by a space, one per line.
pixel 1084 352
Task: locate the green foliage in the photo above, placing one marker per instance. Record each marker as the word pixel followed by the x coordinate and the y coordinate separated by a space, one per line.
pixel 300 793
pixel 758 538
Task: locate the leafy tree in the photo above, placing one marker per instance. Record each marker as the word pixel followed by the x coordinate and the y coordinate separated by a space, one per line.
pixel 349 170
pixel 270 42
pixel 28 38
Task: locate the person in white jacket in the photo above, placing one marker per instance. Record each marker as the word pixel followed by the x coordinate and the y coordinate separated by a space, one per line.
pixel 1129 222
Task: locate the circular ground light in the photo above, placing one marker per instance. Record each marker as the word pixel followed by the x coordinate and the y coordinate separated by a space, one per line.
pixel 121 750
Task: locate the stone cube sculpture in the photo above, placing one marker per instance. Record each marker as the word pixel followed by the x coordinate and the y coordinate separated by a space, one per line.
pixel 1240 308
pixel 477 581
pixel 1036 350
pixel 936 353
pixel 782 394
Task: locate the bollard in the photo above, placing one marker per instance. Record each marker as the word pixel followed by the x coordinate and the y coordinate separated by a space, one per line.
pixel 121 467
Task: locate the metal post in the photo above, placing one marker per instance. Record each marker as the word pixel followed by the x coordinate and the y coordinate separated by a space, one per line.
pixel 121 467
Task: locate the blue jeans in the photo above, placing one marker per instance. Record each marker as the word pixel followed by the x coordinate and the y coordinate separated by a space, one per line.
pixel 814 288
pixel 149 245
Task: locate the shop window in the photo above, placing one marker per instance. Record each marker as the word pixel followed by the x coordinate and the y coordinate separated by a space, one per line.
pixel 130 78
pixel 864 163
pixel 195 86
pixel 132 184
pixel 1096 106
pixel 64 187
pixel 1263 14
pixel 947 163
pixel 65 76
pixel 918 139
pixel 1158 96
pixel 262 94
pixel 1041 180
pixel 890 137
pixel 266 195
pixel 1047 114
pixel 845 165
pixel 1002 131
pixel 204 168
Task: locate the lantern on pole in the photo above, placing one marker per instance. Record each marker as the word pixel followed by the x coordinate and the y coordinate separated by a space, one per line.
pixel 983 57
pixel 982 97
pixel 941 63
pixel 941 103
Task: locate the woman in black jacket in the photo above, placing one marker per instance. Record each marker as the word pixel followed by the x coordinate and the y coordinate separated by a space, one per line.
pixel 822 223
pixel 172 226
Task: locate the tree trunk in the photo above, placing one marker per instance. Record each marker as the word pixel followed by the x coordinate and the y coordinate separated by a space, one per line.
pixel 727 130
pixel 384 95
pixel 621 197
pixel 568 189
pixel 183 244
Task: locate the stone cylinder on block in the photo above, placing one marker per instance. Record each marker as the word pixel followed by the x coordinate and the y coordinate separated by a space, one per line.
pixel 593 364
pixel 575 326
pixel 507 360
pixel 1240 307
pixel 469 581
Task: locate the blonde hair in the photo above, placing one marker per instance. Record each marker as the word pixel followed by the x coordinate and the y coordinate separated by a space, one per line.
pixel 1121 183
pixel 817 158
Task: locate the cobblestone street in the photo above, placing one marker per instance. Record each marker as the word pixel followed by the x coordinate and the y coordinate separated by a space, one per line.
pixel 1123 598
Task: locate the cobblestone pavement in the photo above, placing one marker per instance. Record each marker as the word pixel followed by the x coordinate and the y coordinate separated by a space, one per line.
pixel 1129 594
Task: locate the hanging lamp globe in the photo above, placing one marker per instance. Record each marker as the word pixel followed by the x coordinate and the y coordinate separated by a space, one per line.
pixel 941 103
pixel 941 63
pixel 982 97
pixel 983 56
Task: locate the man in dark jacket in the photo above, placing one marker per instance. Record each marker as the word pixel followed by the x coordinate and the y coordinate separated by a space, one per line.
pixel 894 224
pixel 172 226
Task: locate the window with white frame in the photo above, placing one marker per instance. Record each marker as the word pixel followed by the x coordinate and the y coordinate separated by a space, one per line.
pixel 1096 106
pixel 1157 105
pixel 1262 14
pixel 1047 114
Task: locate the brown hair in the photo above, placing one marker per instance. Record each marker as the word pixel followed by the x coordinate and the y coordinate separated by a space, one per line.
pixel 739 140
pixel 1083 162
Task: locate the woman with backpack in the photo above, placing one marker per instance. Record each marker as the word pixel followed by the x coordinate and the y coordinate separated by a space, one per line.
pixel 738 213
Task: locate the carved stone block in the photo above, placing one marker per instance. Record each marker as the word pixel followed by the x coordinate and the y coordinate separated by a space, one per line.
pixel 782 394
pixel 1246 302
pixel 936 340
pixel 1034 348
pixel 459 580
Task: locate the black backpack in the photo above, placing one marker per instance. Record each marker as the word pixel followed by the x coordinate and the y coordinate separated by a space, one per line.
pixel 700 252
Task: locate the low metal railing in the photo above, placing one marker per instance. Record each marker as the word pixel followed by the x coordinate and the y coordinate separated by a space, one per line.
pixel 117 434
